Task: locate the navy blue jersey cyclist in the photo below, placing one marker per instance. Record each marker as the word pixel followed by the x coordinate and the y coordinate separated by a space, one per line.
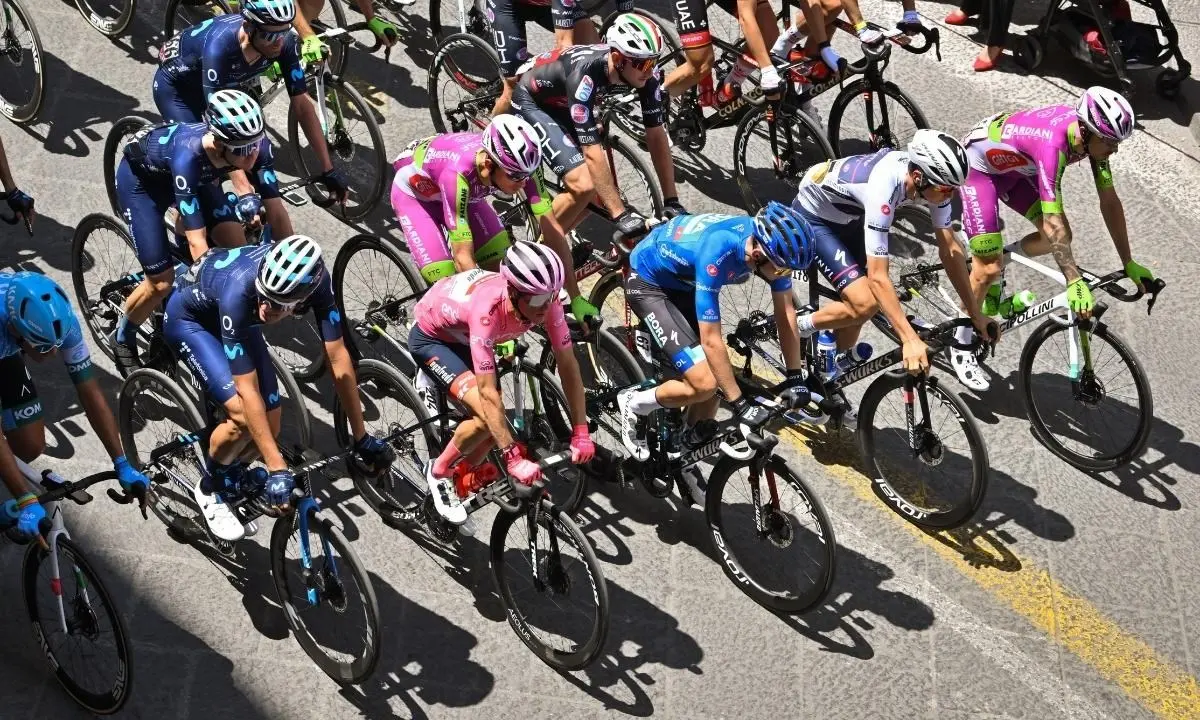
pixel 674 287
pixel 228 52
pixel 213 322
pixel 37 322
pixel 181 165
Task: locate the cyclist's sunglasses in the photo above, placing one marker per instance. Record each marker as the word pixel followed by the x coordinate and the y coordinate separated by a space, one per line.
pixel 515 177
pixel 271 36
pixel 537 302
pixel 281 307
pixel 641 65
pixel 944 189
pixel 242 150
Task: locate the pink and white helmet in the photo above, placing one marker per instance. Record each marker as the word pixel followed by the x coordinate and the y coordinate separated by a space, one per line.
pixel 513 144
pixel 532 269
pixel 1106 112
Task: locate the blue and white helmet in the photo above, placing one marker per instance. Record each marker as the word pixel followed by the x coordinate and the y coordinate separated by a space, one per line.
pixel 269 12
pixel 291 270
pixel 39 310
pixel 234 117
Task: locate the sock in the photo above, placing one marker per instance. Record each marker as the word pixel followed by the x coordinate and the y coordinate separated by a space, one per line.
pixel 804 324
pixel 449 456
pixel 643 402
pixel 964 334
pixel 479 455
pixel 123 331
pixel 786 41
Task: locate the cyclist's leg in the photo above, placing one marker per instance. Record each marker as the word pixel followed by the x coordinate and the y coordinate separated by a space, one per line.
pixel 511 44
pixel 449 365
pixel 268 388
pixel 144 217
pixel 21 408
pixel 491 237
pixel 670 318
pixel 174 104
pixel 981 224
pixel 691 19
pixel 423 233
pixel 844 266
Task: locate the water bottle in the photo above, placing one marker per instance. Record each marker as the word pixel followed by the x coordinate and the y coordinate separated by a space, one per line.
pixel 849 358
pixel 826 350
pixel 1017 304
pixel 991 302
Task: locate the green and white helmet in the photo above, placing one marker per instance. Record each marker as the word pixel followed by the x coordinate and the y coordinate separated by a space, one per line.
pixel 635 36
pixel 269 12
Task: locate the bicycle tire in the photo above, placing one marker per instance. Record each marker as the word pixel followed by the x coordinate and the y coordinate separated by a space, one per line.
pixel 102 703
pixel 304 366
pixel 367 342
pixel 649 179
pixel 631 122
pixel 80 255
pixel 864 88
pixel 108 28
pixel 193 11
pixel 114 149
pixel 300 416
pixel 1113 459
pixel 343 673
pixel 27 113
pixel 591 648
pixel 483 83
pixel 791 117
pixel 343 151
pixel 476 23
pixel 909 509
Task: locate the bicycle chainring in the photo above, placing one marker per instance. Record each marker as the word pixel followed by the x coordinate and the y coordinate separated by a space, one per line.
pixel 441 530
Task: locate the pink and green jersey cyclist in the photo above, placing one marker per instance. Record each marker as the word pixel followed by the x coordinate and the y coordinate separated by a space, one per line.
pixel 441 200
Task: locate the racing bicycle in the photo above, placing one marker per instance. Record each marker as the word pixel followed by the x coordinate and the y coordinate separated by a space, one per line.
pixel 23 88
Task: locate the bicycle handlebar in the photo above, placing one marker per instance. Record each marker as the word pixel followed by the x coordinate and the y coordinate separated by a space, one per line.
pixel 13 219
pixel 1150 287
pixel 501 498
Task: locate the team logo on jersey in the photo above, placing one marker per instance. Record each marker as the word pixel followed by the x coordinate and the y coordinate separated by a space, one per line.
pixel 422 186
pixel 1005 159
pixel 886 209
pixel 580 114
pixel 584 91
pixel 711 270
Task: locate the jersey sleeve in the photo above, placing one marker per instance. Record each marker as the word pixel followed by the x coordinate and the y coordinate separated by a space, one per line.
pixel 1051 163
pixel 1101 173
pixel 942 214
pixel 264 169
pixel 651 96
pixel 581 88
pixel 325 311
pixel 212 60
pixel 881 196
pixel 236 325
pixel 76 355
pixel 481 325
pixel 714 251
pixel 456 203
pixel 185 167
pixel 293 69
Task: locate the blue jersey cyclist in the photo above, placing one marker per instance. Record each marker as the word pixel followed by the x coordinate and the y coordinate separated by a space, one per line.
pixel 38 323
pixel 674 287
pixel 213 321
pixel 229 51
pixel 180 165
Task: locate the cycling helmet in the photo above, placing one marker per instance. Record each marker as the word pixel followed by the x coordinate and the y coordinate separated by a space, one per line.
pixel 635 36
pixel 785 236
pixel 39 310
pixel 234 117
pixel 939 157
pixel 532 269
pixel 1106 112
pixel 291 270
pixel 513 144
pixel 269 12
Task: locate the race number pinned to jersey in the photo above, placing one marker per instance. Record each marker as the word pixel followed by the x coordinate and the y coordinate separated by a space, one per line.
pixel 169 49
pixel 584 92
pixel 580 114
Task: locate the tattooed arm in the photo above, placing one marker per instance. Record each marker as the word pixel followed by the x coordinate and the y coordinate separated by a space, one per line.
pixel 1058 234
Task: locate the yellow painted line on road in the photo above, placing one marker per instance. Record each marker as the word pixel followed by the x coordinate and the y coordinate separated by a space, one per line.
pixel 1071 621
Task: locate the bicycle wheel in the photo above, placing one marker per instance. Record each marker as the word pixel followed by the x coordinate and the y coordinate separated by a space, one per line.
pixel 629 117
pixel 122 132
pixel 878 124
pixel 95 637
pixel 636 182
pixel 298 343
pixel 110 17
pixel 767 171
pixel 940 486
pixel 295 422
pixel 750 518
pixel 153 410
pixel 1111 397
pixel 750 304
pixel 376 287
pixel 921 283
pixel 355 146
pixel 562 615
pixel 464 83
pixel 447 17
pixel 102 254
pixel 327 596
pixel 21 48
pixel 389 403
pixel 186 13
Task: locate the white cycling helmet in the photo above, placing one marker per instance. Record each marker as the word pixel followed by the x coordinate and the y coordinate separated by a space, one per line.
pixel 1106 112
pixel 291 270
pixel 532 269
pixel 269 12
pixel 234 117
pixel 513 144
pixel 635 36
pixel 939 157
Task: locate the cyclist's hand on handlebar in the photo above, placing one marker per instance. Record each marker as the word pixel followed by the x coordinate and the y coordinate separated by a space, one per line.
pixel 831 57
pixel 1138 273
pixel 249 209
pixel 747 411
pixel 1079 298
pixel 384 30
pixel 21 205
pixel 522 469
pixel 129 476
pixel 582 447
pixel 584 311
pixel 280 484
pixel 312 50
pixel 916 356
pixel 868 35
pixel 630 225
pixel 28 514
pixel 672 208
pixel 335 184
pixel 986 327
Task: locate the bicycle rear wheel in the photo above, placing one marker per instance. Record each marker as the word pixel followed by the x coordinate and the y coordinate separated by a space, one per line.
pixel 464 83
pixel 295 428
pixel 916 270
pixel 888 118
pixel 446 18
pixel 102 255
pixel 767 170
pixel 122 132
pixel 376 288
pixel 563 615
pixel 186 13
pixel 322 585
pixel 110 17
pixel 21 47
pixel 1066 415
pixel 942 483
pixel 95 632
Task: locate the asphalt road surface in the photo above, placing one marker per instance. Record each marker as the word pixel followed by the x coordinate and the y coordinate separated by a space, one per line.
pixel 1071 596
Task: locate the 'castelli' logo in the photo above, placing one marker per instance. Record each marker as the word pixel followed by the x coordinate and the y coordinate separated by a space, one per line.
pixel 1004 159
pixel 712 270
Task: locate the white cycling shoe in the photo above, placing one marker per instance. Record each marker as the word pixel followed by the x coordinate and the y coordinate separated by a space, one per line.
pixel 219 517
pixel 966 367
pixel 445 497
pixel 629 421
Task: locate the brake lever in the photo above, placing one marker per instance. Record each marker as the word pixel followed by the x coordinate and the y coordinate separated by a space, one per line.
pixel 1154 287
pixel 126 497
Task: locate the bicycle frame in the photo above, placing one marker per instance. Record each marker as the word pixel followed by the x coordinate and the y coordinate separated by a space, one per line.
pixel 58 529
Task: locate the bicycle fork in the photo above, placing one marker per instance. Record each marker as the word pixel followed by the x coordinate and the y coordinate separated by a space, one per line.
pixel 315 587
pixel 551 575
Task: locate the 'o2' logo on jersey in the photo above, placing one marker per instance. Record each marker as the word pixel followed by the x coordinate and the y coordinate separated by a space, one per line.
pixel 584 92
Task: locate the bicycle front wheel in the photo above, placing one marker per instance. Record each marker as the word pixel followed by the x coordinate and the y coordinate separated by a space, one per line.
pixel 888 117
pixel 110 17
pixel 90 660
pixel 769 167
pixel 464 84
pixel 298 343
pixel 933 474
pixel 327 596
pixel 561 612
pixel 21 49
pixel 102 255
pixel 1099 419
pixel 376 288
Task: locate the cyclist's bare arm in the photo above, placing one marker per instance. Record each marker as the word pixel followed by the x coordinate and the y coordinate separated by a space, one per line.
pixel 954 260
pixel 602 179
pixel 717 354
pixel 758 28
pixel 307 9
pixel 1113 213
pixel 572 384
pixel 660 153
pixel 345 384
pixel 491 408
pixel 100 415
pixel 789 334
pixel 13 479
pixel 5 172
pixel 277 215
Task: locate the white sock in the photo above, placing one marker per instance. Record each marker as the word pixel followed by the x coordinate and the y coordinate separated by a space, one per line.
pixel 804 324
pixel 964 334
pixel 786 41
pixel 643 402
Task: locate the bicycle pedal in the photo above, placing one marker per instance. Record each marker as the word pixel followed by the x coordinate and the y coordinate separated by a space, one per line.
pixel 296 198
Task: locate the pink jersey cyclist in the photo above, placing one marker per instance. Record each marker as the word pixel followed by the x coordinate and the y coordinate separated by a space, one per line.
pixel 1019 158
pixel 440 199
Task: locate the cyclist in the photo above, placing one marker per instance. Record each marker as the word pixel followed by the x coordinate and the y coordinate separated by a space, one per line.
pixel 38 322
pixel 674 287
pixel 850 204
pixel 458 323
pixel 441 189
pixel 180 164
pixel 1020 158
pixel 20 203
pixel 231 51
pixel 312 49
pixel 558 96
pixel 213 322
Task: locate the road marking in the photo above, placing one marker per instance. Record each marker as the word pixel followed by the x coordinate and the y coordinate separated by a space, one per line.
pixel 1071 621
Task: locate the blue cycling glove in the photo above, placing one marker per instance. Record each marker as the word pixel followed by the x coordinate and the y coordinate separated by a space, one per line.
pixel 280 484
pixel 28 513
pixel 128 476
pixel 248 207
